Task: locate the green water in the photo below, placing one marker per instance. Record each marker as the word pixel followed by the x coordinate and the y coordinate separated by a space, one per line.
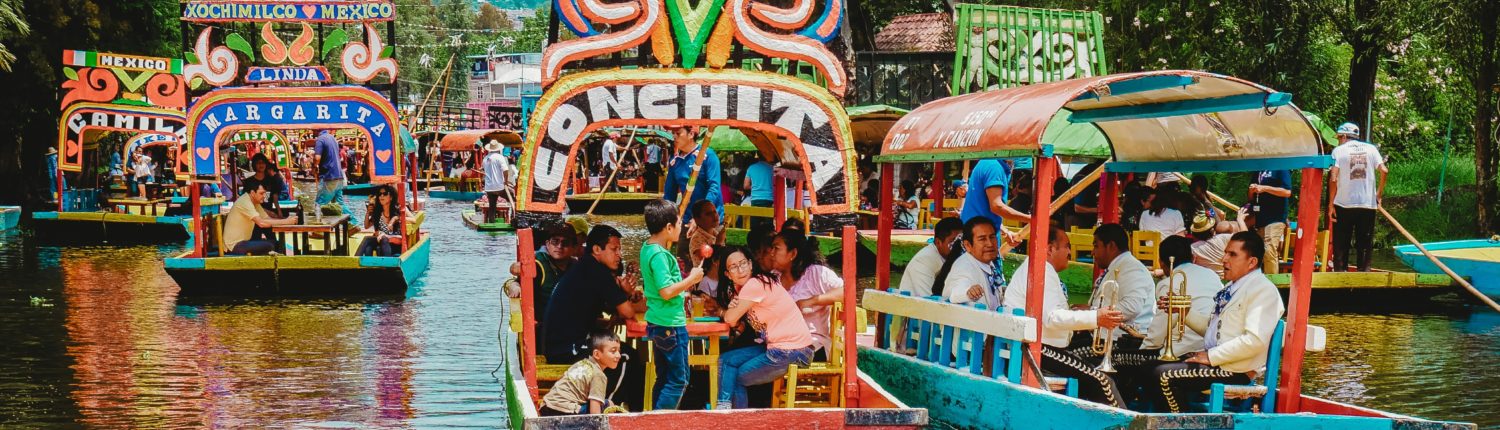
pixel 98 338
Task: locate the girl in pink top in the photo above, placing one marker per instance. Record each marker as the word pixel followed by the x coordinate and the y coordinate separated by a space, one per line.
pixel 785 340
pixel 808 279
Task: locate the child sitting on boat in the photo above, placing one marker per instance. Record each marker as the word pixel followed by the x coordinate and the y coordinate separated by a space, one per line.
pixel 705 229
pixel 583 388
pixel 666 318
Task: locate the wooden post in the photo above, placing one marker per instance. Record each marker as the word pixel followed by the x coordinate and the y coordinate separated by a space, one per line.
pixel 778 200
pixel 197 215
pixel 1109 198
pixel 851 358
pixel 1289 394
pixel 937 190
pixel 527 257
pixel 884 224
pixel 1036 287
pixel 59 183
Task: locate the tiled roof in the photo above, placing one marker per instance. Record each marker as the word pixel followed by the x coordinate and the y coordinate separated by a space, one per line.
pixel 923 32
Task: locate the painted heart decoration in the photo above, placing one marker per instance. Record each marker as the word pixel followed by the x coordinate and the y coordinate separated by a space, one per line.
pixel 383 155
pixel 310 10
pixel 204 153
pixel 71 149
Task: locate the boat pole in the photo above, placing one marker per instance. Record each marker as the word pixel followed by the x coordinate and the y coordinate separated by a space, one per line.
pixel 1289 394
pixel 937 192
pixel 629 143
pixel 1036 286
pixel 527 257
pixel 1109 198
pixel 692 184
pixel 1461 281
pixel 851 356
pixel 884 223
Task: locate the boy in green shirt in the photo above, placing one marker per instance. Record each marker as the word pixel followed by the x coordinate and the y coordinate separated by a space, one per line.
pixel 666 318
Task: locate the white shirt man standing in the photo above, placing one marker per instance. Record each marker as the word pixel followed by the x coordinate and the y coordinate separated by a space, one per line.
pixel 496 177
pixel 1356 195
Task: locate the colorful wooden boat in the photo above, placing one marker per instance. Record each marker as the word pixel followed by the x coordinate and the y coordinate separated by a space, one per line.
pixel 9 217
pixel 1153 122
pixel 318 255
pixel 469 142
pixel 1476 259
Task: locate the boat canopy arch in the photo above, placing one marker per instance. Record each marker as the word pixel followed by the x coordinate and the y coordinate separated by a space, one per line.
pixel 1147 121
pixel 473 140
pixel 282 150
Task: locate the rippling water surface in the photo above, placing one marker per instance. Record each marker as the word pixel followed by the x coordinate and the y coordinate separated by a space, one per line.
pixel 96 337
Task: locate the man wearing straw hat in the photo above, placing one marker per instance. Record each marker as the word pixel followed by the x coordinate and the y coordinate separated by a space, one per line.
pixel 496 175
pixel 1352 183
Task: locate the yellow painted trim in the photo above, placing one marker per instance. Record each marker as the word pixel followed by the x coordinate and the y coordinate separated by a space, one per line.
pixel 317 262
pixel 258 262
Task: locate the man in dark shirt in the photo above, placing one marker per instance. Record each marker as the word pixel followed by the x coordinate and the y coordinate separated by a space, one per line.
pixel 1268 197
pixel 1084 209
pixel 330 170
pixel 588 289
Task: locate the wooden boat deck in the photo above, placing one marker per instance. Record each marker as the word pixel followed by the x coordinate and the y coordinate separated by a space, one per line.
pixel 613 203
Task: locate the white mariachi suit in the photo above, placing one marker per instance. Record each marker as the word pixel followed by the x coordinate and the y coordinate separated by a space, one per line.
pixel 1237 337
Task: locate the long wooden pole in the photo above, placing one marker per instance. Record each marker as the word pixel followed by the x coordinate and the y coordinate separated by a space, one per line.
pixel 603 189
pixel 1467 286
pixel 1062 199
pixel 692 184
pixel 851 358
pixel 1046 172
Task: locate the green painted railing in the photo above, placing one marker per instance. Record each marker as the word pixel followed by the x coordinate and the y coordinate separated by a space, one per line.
pixel 1006 46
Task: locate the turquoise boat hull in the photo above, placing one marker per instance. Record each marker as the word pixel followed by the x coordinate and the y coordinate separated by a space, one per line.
pixel 464 196
pixel 302 275
pixel 9 217
pixel 1464 257
pixel 967 401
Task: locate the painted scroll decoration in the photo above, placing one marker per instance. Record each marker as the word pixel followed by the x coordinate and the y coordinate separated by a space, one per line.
pixel 363 61
pixel 595 44
pixel 299 52
pixel 104 77
pixel 1024 56
pixel 216 66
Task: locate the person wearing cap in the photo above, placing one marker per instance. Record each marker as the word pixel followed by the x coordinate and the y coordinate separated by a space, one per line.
pixel 52 173
pixel 681 168
pixel 496 178
pixel 1352 181
pixel 610 156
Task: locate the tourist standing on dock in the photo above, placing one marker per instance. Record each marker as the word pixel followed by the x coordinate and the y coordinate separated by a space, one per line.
pixel 681 170
pixel 609 153
pixel 1268 196
pixel 1356 195
pixel 331 180
pixel 1236 336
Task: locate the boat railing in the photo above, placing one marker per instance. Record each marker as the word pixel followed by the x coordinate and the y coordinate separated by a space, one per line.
pixel 953 335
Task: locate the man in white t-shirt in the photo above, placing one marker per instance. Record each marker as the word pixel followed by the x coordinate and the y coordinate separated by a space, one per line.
pixel 610 156
pixel 977 276
pixel 922 271
pixel 1356 194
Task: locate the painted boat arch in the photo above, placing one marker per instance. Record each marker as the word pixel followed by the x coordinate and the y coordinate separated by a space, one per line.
pixel 149 140
pixel 80 119
pixel 275 139
pixel 805 115
pixel 223 111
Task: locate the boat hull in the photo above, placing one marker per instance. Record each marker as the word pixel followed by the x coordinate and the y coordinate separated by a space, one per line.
pixel 963 400
pixel 299 275
pixel 9 217
pixel 476 221
pixel 100 228
pixel 1478 260
pixel 612 203
pixel 465 196
pixel 359 189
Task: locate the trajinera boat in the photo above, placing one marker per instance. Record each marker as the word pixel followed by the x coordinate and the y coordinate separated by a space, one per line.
pixel 1154 122
pixel 1476 259
pixel 105 124
pixel 800 122
pixel 474 142
pixel 317 255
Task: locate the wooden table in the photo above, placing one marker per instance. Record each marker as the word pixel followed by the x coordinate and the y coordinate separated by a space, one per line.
pixel 334 234
pixel 707 333
pixel 140 203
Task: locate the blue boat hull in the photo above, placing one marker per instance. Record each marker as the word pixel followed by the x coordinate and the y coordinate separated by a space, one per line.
pixel 1484 275
pixel 9 217
pixel 964 400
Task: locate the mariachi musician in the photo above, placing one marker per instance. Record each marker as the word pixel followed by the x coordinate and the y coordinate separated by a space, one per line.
pixel 1168 336
pixel 1059 323
pixel 1236 334
pixel 1134 298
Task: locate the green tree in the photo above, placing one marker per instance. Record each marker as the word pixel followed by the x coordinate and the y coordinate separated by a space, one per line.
pixel 12 25
pixel 492 18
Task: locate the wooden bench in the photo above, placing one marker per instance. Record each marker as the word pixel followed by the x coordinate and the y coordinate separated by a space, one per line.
pixel 739 216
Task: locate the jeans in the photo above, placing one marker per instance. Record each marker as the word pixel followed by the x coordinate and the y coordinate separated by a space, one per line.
pixel 670 344
pixel 754 365
pixel 253 247
pixel 371 246
pixel 330 190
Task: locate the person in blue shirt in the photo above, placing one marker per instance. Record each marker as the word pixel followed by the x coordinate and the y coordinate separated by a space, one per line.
pixel 686 143
pixel 989 189
pixel 52 173
pixel 758 180
pixel 330 170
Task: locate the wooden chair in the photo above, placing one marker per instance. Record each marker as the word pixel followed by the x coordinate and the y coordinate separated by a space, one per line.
pixel 819 384
pixel 924 214
pixel 1143 245
pixel 1082 244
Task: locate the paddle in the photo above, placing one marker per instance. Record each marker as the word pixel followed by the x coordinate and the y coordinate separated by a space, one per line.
pixel 629 143
pixel 693 177
pixel 1434 259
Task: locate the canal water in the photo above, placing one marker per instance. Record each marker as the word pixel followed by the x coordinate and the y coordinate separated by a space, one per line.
pixel 96 337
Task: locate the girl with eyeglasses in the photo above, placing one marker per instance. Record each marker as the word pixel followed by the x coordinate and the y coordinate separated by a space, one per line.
pixel 762 304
